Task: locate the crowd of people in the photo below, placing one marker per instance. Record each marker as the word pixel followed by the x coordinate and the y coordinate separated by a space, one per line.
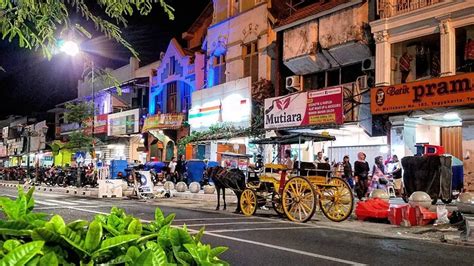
pixel 360 177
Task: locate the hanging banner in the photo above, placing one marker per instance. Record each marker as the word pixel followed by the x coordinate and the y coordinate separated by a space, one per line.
pixel 163 121
pixel 100 125
pixel 123 123
pixel 432 93
pixel 318 107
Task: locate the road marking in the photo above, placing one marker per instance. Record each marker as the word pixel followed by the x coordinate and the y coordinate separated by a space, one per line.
pixel 234 223
pixel 62 202
pixel 258 229
pixel 301 252
pixel 213 218
pixel 46 203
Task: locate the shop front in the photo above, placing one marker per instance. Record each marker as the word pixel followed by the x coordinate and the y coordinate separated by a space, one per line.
pixel 223 110
pixel 321 111
pixel 162 131
pixel 435 111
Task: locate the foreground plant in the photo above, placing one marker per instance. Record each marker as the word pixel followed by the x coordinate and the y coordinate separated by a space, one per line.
pixel 117 238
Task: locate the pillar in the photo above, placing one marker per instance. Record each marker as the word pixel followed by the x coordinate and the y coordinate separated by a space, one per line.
pixel 468 155
pixel 382 58
pixel 447 46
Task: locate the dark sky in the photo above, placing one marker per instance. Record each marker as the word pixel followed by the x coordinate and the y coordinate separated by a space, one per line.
pixel 31 83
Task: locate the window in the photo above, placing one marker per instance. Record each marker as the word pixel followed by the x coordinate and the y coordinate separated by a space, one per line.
pixel 250 54
pixel 172 69
pixel 186 102
pixel 465 49
pixel 235 7
pixel 171 100
pixel 218 68
pixel 158 103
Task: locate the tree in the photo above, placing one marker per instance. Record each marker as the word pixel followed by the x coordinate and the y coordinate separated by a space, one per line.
pixel 40 24
pixel 79 113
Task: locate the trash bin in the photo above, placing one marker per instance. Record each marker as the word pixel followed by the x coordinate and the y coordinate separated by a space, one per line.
pixel 195 170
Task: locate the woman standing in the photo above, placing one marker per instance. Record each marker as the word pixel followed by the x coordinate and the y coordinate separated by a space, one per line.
pixel 378 175
pixel 361 174
pixel 347 171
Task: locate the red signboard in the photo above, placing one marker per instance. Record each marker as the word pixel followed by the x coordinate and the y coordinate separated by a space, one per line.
pixel 318 107
pixel 100 125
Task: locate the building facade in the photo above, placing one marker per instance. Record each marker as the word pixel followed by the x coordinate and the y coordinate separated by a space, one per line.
pixel 424 75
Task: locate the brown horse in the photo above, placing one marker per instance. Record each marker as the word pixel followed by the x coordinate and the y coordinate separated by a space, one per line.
pixel 233 179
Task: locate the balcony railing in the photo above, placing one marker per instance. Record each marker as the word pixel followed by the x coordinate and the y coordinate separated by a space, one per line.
pixel 390 8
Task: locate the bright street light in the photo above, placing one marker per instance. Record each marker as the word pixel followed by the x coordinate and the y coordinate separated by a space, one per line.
pixel 70 48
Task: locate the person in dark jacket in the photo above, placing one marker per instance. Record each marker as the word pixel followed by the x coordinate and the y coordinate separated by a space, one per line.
pixel 347 171
pixel 361 174
pixel 181 168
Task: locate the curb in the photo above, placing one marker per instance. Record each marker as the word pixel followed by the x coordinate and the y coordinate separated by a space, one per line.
pixel 72 191
pixel 456 240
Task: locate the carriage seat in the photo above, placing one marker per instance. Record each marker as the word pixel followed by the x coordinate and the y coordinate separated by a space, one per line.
pixel 269 177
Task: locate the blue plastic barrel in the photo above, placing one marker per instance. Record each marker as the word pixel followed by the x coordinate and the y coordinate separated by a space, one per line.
pixel 195 170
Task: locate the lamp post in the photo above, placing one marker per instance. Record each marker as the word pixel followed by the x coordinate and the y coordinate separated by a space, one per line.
pixel 72 49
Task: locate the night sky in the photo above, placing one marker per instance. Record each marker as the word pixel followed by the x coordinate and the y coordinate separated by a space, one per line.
pixel 31 83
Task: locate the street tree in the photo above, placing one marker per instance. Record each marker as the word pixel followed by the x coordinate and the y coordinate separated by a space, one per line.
pixel 40 24
pixel 79 113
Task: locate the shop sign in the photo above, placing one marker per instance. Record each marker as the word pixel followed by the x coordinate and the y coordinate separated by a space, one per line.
pixel 123 123
pixel 225 103
pixel 163 121
pixel 66 128
pixel 441 92
pixel 100 125
pixel 5 133
pixel 318 107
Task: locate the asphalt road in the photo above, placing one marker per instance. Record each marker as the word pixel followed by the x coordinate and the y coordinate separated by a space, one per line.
pixel 268 240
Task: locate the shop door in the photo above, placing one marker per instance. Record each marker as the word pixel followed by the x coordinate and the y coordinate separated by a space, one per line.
pixel 169 151
pixel 451 140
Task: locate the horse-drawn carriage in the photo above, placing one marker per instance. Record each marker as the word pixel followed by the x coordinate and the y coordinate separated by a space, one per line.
pixel 296 193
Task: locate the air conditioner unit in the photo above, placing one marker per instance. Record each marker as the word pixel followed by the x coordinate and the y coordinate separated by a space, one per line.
pixel 365 82
pixel 368 64
pixel 293 83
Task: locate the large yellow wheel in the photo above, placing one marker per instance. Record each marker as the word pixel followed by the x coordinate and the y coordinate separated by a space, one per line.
pixel 248 202
pixel 299 199
pixel 337 201
pixel 276 203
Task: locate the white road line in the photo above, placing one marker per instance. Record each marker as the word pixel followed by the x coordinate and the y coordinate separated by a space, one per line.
pixel 234 223
pixel 214 218
pixel 258 229
pixel 83 202
pixel 301 252
pixel 46 203
pixel 62 202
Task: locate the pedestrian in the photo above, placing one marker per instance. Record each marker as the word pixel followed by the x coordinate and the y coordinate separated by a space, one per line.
pixel 361 174
pixel 396 173
pixel 287 161
pixel 181 167
pixel 379 179
pixel 347 171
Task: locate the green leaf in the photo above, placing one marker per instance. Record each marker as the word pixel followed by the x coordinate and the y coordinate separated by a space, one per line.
pixel 217 251
pixel 179 237
pixel 56 224
pixel 146 258
pixel 133 252
pixel 184 258
pixel 198 235
pixel 159 217
pixel 169 219
pixel 135 227
pixel 49 259
pixel 9 208
pixel 45 235
pixel 93 236
pixel 11 244
pixel 74 239
pixel 164 236
pixel 22 254
pixel 160 256
pixel 30 201
pixel 122 259
pixel 115 242
pixel 78 224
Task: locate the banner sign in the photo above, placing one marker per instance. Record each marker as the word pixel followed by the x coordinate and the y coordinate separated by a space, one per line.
pixel 163 121
pixel 318 107
pixel 5 133
pixel 432 93
pixel 100 125
pixel 123 123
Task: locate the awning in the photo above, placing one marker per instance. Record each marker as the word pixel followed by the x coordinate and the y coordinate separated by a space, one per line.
pixel 295 139
pixel 236 155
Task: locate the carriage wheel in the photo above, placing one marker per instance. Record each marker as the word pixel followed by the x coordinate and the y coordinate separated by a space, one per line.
pixel 248 202
pixel 299 199
pixel 276 203
pixel 337 202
